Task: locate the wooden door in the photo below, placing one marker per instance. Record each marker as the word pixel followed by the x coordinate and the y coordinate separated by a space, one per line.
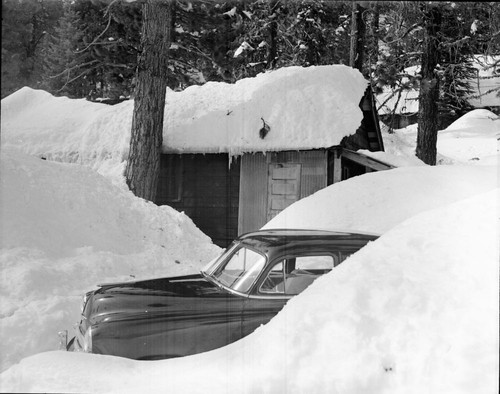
pixel 283 187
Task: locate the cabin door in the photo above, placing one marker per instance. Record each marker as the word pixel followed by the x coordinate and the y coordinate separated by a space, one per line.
pixel 283 187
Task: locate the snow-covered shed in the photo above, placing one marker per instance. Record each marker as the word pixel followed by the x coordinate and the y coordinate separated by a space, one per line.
pixel 234 154
pixel 398 108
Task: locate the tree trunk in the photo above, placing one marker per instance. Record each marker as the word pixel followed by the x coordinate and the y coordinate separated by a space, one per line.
pixel 429 89
pixel 272 52
pixel 143 165
pixel 358 30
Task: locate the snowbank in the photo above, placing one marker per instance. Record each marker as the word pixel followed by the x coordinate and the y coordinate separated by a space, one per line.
pixel 415 311
pixel 66 228
pixel 63 229
pixel 305 108
pixel 68 130
pixel 471 139
pixel 378 201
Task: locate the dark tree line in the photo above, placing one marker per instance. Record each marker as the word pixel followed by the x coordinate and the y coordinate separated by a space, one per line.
pixel 113 49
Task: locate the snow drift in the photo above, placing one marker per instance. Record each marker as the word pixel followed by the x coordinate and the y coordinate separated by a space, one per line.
pixel 378 201
pixel 65 228
pixel 415 311
pixel 471 139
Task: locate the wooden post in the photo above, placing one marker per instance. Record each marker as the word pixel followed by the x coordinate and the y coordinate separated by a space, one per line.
pixel 337 165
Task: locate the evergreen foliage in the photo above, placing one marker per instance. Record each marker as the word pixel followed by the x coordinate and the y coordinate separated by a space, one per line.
pixel 463 33
pixel 90 50
pixel 60 64
pixel 25 26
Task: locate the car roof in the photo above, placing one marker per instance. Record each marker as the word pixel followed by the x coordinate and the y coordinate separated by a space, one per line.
pixel 274 237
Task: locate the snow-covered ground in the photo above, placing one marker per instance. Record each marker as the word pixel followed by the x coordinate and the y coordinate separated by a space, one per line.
pixel 415 311
pixel 64 229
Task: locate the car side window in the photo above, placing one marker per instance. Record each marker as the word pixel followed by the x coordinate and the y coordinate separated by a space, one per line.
pixel 293 275
pixel 275 280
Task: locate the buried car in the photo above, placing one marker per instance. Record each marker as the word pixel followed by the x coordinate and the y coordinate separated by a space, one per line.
pixel 243 288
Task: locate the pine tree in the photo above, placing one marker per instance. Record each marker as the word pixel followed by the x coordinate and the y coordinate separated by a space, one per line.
pixel 25 26
pixel 63 68
pixel 143 164
pixel 429 86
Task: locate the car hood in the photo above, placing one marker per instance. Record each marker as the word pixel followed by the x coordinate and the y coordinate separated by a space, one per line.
pixel 188 285
pixel 148 299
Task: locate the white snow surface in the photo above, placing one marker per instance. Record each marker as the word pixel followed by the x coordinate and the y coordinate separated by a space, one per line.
pixel 471 139
pixel 415 311
pixel 64 228
pixel 306 108
pixel 378 201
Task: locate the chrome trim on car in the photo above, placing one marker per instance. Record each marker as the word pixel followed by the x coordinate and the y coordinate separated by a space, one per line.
pixel 270 297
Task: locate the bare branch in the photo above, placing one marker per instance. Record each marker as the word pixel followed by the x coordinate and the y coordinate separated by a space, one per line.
pixel 67 70
pixel 100 35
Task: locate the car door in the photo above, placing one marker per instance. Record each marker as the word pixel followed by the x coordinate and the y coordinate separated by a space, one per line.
pixel 259 311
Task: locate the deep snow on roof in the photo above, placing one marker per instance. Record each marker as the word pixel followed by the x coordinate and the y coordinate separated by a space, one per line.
pixel 305 108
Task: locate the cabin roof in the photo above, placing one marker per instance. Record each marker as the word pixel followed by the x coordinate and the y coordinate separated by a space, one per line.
pixel 292 108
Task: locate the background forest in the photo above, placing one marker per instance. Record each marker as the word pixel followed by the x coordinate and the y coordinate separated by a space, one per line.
pixel 89 48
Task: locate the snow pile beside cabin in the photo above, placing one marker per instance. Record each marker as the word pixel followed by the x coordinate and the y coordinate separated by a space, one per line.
pixel 304 108
pixel 63 230
pixel 414 312
pixel 471 139
pixel 67 130
pixel 415 189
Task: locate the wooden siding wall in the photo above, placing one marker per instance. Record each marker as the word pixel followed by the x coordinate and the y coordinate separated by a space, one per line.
pixel 209 192
pixel 254 182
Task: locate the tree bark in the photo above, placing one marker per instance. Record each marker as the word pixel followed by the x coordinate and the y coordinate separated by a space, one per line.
pixel 273 32
pixel 429 89
pixel 358 30
pixel 143 165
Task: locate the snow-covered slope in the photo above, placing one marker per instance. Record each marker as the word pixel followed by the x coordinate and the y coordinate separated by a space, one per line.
pixel 65 228
pixel 415 311
pixel 471 139
pixel 378 201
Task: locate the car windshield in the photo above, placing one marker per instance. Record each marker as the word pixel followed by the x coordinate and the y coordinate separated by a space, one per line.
pixel 237 268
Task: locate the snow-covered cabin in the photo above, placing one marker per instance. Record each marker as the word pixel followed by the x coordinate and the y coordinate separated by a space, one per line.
pixel 234 154
pixel 398 108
